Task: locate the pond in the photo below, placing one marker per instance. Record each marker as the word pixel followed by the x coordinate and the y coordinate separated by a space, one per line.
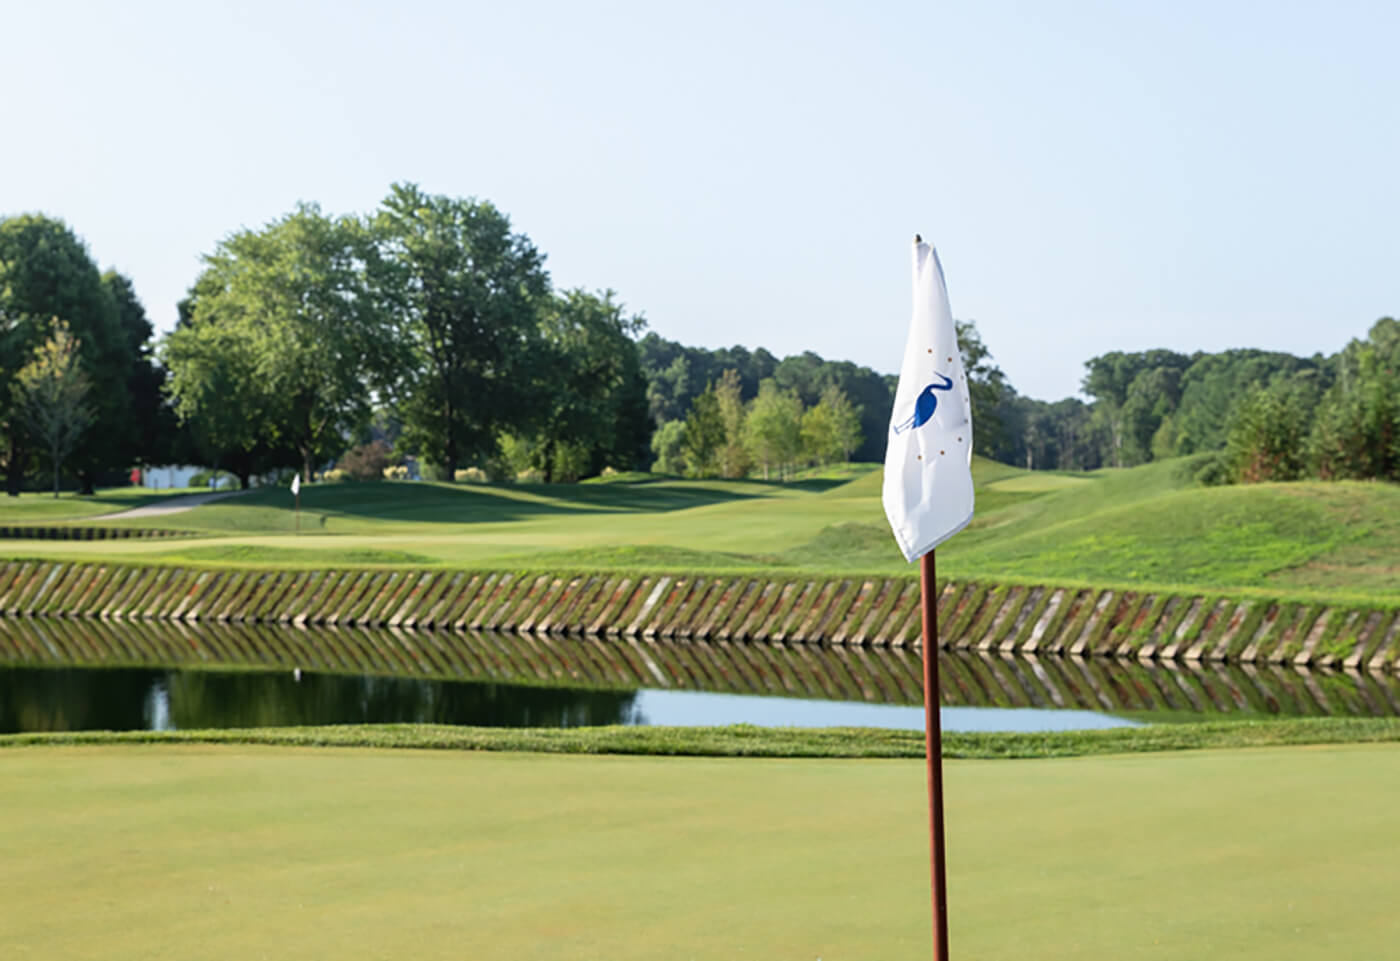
pixel 76 674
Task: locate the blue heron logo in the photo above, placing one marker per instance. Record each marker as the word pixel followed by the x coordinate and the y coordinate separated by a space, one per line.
pixel 925 405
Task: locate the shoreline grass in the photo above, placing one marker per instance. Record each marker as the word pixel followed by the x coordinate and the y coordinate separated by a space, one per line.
pixel 743 740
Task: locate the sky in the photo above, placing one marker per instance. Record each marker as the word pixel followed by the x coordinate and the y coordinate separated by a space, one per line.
pixel 1096 176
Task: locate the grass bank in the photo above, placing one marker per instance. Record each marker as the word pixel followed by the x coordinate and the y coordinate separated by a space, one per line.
pixel 750 741
pixel 225 851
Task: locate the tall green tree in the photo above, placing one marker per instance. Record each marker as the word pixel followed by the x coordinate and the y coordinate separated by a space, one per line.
pixel 51 393
pixel 1213 384
pixel 1133 393
pixel 668 448
pixel 589 408
pixel 986 387
pixel 1267 436
pixel 704 435
pixel 773 429
pixel 831 428
pixel 1357 430
pixel 468 294
pixel 231 418
pixel 47 272
pixel 296 294
pixel 729 393
pixel 151 426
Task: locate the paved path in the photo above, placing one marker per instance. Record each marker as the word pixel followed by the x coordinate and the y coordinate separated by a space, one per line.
pixel 172 506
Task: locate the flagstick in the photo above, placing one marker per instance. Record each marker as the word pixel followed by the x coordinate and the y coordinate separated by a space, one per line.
pixel 933 750
pixel 298 511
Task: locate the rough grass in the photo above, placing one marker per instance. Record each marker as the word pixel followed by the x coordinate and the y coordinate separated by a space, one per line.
pixel 228 851
pixel 1143 528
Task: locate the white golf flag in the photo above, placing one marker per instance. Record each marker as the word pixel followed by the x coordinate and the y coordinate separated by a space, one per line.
pixel 928 457
pixel 296 484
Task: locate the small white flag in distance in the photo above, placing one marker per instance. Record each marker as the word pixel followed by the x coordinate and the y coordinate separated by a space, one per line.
pixel 296 484
pixel 928 457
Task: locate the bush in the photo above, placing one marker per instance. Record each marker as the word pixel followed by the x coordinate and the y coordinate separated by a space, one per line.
pixel 1213 470
pixel 472 475
pixel 433 472
pixel 366 462
pixel 334 476
pixel 396 472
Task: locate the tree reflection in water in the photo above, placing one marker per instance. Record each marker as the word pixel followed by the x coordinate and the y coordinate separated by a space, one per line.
pixel 120 699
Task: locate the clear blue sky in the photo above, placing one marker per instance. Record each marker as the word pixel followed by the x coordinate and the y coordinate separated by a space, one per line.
pixel 1097 176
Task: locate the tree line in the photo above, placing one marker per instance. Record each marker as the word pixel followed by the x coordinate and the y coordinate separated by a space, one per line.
pixel 1248 415
pixel 429 328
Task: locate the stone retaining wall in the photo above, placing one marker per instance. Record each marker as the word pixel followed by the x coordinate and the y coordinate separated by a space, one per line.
pixel 36 532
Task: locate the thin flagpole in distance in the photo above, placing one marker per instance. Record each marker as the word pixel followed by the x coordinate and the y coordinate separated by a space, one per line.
pixel 933 750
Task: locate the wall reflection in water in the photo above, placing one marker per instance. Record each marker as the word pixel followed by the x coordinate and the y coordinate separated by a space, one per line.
pixel 353 676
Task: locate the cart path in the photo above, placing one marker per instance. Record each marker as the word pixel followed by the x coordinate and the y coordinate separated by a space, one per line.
pixel 174 505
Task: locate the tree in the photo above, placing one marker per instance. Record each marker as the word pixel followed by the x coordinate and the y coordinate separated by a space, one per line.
pixel 773 430
pixel 986 386
pixel 811 377
pixel 590 396
pixel 218 396
pixel 1133 393
pixel 1357 429
pixel 1213 384
pixel 733 457
pixel 704 435
pixel 831 429
pixel 668 444
pixel 308 342
pixel 298 291
pixel 51 393
pixel 47 272
pixel 1266 436
pixel 468 294
pixel 151 425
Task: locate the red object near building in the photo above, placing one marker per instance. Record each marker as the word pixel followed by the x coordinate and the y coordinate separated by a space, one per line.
pixel 136 477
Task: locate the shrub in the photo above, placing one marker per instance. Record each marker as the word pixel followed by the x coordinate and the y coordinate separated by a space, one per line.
pixel 396 472
pixel 334 476
pixel 471 475
pixel 366 462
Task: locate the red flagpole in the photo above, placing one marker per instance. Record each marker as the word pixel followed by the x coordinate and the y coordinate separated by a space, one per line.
pixel 933 751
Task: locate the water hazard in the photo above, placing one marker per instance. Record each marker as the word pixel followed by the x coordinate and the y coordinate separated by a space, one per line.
pixel 73 674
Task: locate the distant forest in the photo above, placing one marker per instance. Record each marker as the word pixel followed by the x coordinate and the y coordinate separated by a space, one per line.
pixel 1251 415
pixel 1259 415
pixel 426 335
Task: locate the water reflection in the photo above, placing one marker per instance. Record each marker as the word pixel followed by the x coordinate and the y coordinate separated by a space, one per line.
pixel 382 662
pixel 67 699
pixel 73 699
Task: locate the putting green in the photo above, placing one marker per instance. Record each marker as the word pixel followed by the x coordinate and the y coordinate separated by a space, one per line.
pixel 236 852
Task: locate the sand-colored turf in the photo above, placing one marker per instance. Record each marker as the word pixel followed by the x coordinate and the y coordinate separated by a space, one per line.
pixel 237 852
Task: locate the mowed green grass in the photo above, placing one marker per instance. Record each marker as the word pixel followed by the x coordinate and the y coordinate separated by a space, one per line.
pixel 1143 527
pixel 41 508
pixel 206 852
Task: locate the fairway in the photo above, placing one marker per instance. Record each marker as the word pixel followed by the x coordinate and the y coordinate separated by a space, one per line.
pixel 1149 525
pixel 209 852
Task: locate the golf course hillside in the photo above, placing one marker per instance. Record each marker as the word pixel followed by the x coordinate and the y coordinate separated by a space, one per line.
pixel 1143 527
